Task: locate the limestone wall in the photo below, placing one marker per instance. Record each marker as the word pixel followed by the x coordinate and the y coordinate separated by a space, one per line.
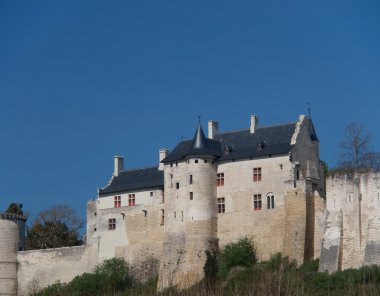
pixel 40 268
pixel 352 233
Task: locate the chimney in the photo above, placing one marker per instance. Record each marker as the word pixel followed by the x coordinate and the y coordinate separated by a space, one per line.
pixel 163 153
pixel 213 128
pixel 254 123
pixel 118 165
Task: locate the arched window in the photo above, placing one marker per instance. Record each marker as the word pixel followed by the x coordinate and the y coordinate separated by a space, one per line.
pixel 270 200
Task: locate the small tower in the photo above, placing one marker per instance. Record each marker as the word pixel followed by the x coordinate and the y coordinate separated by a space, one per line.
pixel 190 210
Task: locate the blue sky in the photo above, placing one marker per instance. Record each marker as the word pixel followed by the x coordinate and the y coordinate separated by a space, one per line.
pixel 82 81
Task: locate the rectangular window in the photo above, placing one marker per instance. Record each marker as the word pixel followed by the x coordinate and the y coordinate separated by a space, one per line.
pixel 196 161
pixel 131 200
pixel 190 179
pixel 111 224
pixel 220 179
pixel 177 185
pixel 256 174
pixel 191 196
pixel 257 203
pixel 151 194
pixel 117 201
pixel 221 205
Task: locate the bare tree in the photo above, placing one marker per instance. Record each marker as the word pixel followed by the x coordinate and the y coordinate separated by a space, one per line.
pixel 354 147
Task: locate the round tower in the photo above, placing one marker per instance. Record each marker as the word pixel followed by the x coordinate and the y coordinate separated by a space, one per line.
pixel 9 233
pixel 190 210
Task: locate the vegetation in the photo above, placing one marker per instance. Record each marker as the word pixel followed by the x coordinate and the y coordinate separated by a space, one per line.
pixel 277 276
pixel 55 227
pixel 14 208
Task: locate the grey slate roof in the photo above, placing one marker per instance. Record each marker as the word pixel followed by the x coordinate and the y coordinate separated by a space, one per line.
pixel 135 179
pixel 271 140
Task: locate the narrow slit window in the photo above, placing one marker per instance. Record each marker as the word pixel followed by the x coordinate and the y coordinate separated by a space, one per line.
pixel 191 196
pixel 190 179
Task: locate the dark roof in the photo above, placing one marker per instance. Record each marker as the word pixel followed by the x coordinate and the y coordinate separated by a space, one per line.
pixel 271 140
pixel 135 179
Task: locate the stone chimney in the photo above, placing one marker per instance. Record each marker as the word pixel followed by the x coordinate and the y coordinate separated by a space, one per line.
pixel 213 128
pixel 118 165
pixel 254 123
pixel 162 154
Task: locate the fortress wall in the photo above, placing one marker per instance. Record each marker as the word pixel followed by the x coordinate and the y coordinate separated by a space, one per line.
pixel 40 268
pixel 8 261
pixel 355 199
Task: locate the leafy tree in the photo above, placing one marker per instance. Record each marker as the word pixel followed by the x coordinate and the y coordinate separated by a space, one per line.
pixel 15 208
pixel 55 227
pixel 355 146
pixel 241 253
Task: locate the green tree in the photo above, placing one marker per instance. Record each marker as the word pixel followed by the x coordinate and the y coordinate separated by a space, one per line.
pixel 55 227
pixel 15 208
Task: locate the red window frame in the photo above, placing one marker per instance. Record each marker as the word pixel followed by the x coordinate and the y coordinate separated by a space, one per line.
pixel 256 174
pixel 220 179
pixel 131 199
pixel 117 201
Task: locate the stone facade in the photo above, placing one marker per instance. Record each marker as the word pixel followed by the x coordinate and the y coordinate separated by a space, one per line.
pixel 162 219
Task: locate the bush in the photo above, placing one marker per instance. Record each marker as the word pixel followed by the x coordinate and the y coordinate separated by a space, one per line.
pixel 241 253
pixel 114 273
pixel 87 284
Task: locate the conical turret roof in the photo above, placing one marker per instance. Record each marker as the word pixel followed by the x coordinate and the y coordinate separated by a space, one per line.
pixel 201 145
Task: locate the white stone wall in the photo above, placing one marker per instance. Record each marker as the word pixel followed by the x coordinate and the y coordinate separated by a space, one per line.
pixel 352 227
pixel 40 268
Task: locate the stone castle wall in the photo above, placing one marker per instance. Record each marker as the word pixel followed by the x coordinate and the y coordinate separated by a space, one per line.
pixel 351 236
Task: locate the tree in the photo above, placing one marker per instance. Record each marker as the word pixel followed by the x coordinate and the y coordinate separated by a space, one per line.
pixel 15 208
pixel 354 147
pixel 55 227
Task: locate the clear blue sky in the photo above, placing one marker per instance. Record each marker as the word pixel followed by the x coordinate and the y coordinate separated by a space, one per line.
pixel 82 81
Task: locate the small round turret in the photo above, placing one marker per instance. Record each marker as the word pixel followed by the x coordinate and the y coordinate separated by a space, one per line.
pixel 9 233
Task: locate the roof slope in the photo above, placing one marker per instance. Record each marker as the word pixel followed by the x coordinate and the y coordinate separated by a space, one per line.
pixel 271 140
pixel 135 179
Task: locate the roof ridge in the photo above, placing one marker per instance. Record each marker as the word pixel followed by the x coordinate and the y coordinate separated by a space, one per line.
pixel 139 169
pixel 259 127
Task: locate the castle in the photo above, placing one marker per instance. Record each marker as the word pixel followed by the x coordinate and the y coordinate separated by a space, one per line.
pixel 263 182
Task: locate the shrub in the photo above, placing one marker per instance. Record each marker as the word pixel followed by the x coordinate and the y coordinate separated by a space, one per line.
pixel 211 265
pixel 114 274
pixel 241 253
pixel 87 284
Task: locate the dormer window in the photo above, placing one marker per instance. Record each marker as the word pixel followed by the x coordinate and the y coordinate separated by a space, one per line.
pixel 260 145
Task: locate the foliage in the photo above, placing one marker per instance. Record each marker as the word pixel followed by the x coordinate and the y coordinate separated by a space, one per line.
pixel 211 265
pixel 115 274
pixel 15 208
pixel 55 227
pixel 241 253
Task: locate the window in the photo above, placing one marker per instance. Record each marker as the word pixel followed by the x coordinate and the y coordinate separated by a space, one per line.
pixel 111 224
pixel 270 201
pixel 256 174
pixel 190 179
pixel 196 161
pixel 191 196
pixel 162 217
pixel 177 185
pixel 171 165
pixel 221 205
pixel 117 201
pixel 175 215
pixel 257 205
pixel 220 179
pixel 205 161
pixel 176 164
pixel 131 200
pixel 151 194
